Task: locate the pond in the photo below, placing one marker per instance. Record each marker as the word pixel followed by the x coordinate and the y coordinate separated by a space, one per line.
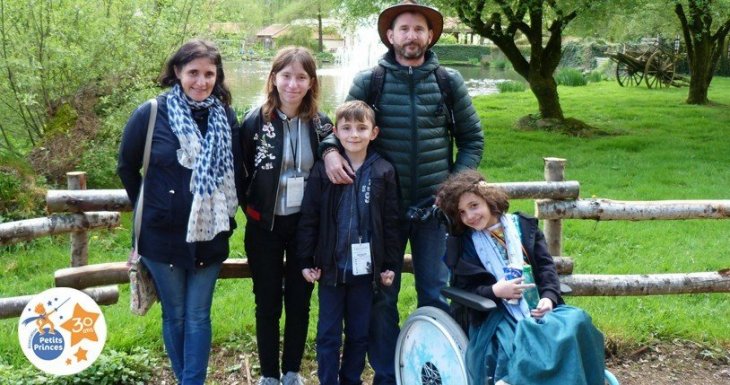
pixel 246 80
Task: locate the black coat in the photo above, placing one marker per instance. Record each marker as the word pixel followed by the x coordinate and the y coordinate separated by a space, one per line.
pixel 167 195
pixel 317 234
pixel 259 200
pixel 469 274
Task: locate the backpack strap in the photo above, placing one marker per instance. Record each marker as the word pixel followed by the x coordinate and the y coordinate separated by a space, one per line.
pixel 377 80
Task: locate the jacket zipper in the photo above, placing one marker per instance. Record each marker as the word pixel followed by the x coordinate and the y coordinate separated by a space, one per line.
pixel 414 136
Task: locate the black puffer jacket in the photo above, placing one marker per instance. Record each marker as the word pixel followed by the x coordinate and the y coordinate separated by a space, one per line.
pixel 263 147
pixel 413 125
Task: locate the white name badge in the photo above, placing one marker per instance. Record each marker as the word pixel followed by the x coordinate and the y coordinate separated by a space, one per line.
pixel 294 191
pixel 361 260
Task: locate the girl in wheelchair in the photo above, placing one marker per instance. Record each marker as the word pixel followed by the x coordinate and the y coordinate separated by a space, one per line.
pixel 550 344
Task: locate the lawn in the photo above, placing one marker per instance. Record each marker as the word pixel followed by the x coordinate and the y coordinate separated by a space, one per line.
pixel 659 148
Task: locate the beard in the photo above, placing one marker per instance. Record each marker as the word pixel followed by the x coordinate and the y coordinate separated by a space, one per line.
pixel 403 50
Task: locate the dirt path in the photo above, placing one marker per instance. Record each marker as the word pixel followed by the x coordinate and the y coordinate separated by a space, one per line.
pixel 669 363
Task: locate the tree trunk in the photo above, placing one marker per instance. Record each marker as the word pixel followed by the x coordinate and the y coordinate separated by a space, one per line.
pixel 700 73
pixel 546 91
pixel 319 21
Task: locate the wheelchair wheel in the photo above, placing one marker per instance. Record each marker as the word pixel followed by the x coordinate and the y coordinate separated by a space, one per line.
pixel 430 350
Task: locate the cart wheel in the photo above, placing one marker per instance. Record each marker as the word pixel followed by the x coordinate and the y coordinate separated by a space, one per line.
pixel 659 71
pixel 430 349
pixel 628 76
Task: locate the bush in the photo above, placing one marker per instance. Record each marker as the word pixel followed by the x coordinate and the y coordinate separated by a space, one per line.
pixel 511 86
pixel 459 52
pixel 570 77
pixel 298 35
pixel 500 64
pixel 595 76
pixel 22 195
pixel 112 368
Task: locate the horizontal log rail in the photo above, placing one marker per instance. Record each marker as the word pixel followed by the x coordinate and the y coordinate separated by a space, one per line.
pixel 77 201
pixel 13 306
pixel 540 190
pixel 648 284
pixel 606 209
pixel 116 272
pixel 14 232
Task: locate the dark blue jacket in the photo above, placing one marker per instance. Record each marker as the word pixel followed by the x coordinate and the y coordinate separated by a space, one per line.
pixel 167 196
pixel 317 234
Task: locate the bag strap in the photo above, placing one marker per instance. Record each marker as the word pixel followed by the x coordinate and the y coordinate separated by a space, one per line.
pixel 377 79
pixel 145 163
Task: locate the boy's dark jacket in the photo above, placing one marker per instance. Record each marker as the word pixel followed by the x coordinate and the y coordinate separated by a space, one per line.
pixel 469 274
pixel 317 234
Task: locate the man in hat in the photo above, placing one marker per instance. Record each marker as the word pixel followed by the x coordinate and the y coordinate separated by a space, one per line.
pixel 416 129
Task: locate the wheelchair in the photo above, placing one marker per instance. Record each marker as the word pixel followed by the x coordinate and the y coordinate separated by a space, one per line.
pixel 431 346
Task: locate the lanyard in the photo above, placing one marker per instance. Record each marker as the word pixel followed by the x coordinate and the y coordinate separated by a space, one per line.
pixel 294 144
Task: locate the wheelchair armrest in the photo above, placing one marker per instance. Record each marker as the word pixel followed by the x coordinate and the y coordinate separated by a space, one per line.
pixel 565 289
pixel 470 300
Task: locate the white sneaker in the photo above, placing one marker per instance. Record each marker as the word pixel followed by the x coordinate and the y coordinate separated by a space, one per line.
pixel 292 378
pixel 268 381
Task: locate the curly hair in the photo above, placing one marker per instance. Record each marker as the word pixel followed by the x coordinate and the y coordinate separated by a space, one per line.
pixel 469 181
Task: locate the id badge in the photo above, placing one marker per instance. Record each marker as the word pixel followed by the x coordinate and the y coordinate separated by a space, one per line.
pixel 294 191
pixel 361 260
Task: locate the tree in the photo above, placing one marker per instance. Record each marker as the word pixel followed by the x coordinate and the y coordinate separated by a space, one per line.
pixel 703 47
pixel 529 17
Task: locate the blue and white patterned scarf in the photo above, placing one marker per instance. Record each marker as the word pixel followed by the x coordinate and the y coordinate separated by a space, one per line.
pixel 489 254
pixel 210 158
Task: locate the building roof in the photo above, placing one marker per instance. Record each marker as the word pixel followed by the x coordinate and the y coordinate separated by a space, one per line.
pixel 273 30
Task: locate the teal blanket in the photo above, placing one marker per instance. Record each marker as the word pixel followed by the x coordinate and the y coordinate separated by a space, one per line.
pixel 562 348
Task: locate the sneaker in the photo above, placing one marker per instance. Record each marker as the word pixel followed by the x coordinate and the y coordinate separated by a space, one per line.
pixel 268 381
pixel 292 378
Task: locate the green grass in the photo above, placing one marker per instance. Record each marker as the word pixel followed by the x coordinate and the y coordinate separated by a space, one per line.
pixel 663 149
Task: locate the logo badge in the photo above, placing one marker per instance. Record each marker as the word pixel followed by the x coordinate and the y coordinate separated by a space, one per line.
pixel 62 331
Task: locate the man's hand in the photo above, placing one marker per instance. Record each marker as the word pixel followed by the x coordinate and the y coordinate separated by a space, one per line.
pixel 311 275
pixel 387 277
pixel 338 170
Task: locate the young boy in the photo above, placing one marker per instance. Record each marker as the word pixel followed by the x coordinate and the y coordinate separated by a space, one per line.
pixel 344 244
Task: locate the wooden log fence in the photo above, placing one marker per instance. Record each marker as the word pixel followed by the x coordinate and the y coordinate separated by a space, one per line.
pixel 606 209
pixel 27 229
pixel 13 306
pixel 555 199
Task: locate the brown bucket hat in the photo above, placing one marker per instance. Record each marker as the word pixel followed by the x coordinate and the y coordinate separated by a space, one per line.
pixel 433 17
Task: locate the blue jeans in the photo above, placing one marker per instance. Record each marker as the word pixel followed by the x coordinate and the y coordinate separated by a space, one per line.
pixel 351 303
pixel 428 246
pixel 186 297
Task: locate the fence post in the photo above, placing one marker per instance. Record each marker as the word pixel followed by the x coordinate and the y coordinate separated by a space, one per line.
pixel 554 172
pixel 80 239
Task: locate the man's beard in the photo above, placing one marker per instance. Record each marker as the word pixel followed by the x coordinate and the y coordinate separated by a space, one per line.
pixel 402 50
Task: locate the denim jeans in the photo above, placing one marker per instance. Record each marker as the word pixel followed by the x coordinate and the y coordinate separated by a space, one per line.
pixel 274 281
pixel 186 297
pixel 350 303
pixel 428 246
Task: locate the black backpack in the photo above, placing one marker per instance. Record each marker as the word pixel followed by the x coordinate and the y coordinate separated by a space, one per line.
pixel 377 80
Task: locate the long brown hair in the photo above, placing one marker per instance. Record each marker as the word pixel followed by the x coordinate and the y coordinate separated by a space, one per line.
pixel 286 56
pixel 191 50
pixel 469 181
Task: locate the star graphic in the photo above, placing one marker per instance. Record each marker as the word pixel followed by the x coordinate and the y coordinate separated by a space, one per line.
pixel 81 325
pixel 68 362
pixel 81 355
